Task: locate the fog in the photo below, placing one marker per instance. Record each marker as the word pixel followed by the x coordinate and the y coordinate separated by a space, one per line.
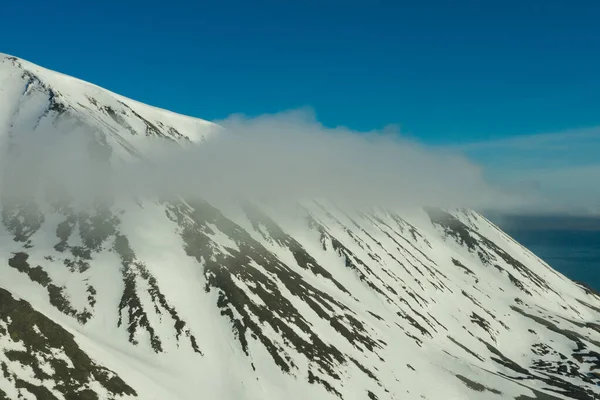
pixel 287 156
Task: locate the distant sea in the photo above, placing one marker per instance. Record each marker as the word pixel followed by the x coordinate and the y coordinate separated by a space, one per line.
pixel 568 244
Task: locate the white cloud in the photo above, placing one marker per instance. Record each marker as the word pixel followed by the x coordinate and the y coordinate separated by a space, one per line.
pixel 288 156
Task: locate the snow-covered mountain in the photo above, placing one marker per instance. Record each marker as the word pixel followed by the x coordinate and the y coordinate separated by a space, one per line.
pixel 191 299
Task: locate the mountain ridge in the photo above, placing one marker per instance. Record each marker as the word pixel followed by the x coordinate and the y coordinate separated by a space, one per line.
pixel 176 297
pixel 52 77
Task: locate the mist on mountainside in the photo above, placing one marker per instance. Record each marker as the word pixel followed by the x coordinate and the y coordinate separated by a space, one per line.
pixel 285 156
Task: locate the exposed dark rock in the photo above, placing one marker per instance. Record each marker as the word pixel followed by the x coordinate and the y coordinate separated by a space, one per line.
pixel 478 387
pixel 42 338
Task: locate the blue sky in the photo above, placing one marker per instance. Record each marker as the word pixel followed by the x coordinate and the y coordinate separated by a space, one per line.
pixel 448 73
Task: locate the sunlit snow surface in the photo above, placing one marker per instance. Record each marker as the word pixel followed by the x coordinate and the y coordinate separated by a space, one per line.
pixel 187 299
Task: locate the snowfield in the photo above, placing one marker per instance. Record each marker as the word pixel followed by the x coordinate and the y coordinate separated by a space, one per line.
pixel 173 298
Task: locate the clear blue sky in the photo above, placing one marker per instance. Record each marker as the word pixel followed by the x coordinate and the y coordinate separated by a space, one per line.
pixel 446 71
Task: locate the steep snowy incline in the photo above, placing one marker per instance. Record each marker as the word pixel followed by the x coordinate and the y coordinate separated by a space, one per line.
pixel 31 97
pixel 156 298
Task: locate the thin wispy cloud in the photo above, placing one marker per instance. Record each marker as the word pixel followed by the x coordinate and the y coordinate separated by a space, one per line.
pixel 559 140
pixel 563 168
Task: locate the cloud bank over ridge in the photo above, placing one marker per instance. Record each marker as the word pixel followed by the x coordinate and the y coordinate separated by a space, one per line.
pixel 286 156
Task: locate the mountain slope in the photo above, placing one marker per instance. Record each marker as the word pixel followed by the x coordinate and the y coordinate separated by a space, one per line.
pixel 180 298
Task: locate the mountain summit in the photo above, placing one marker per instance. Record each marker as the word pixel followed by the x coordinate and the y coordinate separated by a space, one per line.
pixel 185 298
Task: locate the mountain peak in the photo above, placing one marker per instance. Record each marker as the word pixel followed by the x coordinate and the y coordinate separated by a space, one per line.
pixel 24 83
pixel 145 297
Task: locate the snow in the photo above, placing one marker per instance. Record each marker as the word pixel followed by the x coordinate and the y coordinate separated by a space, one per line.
pixel 396 274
